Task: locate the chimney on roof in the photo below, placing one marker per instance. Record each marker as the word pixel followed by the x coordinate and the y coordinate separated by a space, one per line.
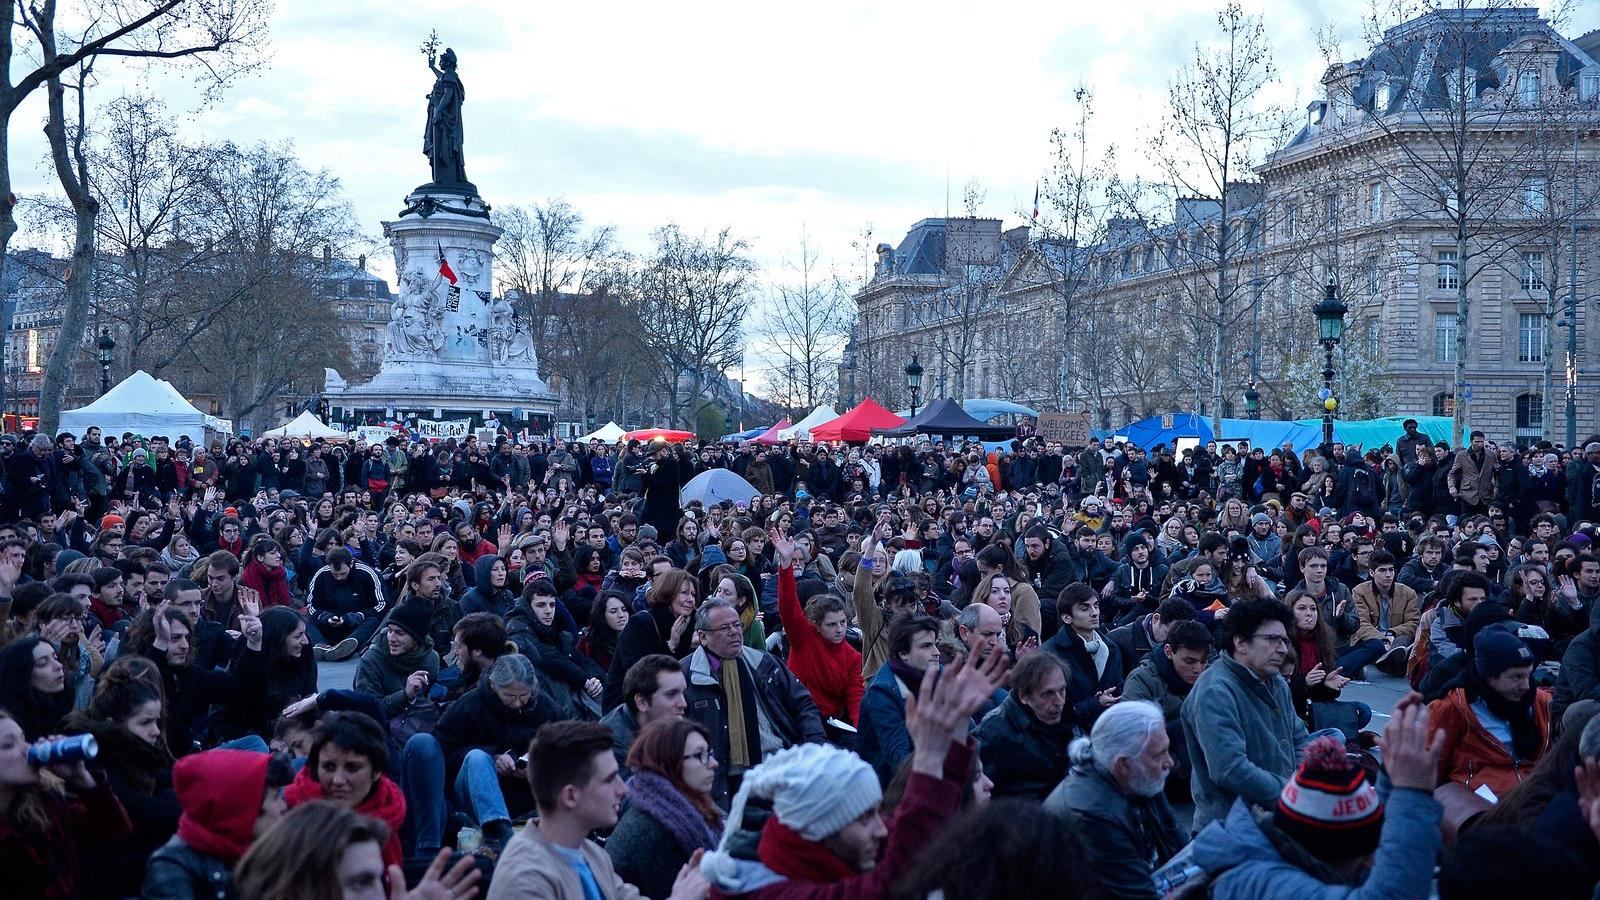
pixel 327 253
pixel 885 260
pixel 361 262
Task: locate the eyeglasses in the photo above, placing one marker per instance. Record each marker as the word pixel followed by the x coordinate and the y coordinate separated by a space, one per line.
pixel 1276 640
pixel 730 628
pixel 704 757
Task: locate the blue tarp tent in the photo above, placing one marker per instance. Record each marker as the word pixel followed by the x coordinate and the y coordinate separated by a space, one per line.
pixel 1304 434
pixel 738 436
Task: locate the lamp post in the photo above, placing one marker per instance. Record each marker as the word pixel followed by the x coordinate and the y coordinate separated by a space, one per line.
pixel 914 381
pixel 108 354
pixel 1252 401
pixel 1330 329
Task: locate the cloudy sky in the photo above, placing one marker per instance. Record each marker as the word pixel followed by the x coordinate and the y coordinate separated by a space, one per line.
pixel 826 117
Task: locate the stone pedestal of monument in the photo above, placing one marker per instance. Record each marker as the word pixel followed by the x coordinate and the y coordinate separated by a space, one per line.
pixel 453 348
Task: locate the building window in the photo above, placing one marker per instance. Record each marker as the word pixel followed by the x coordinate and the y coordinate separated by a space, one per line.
pixel 1530 417
pixel 1461 85
pixel 1149 259
pixel 1384 95
pixel 1330 210
pixel 1533 271
pixel 1449 196
pixel 1292 221
pixel 1375 201
pixel 1589 87
pixel 1375 338
pixel 1535 198
pixel 1528 87
pixel 1374 276
pixel 1530 337
pixel 1444 404
pixel 1445 328
pixel 1449 271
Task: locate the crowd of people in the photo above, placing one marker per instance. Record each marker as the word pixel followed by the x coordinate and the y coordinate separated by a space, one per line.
pixel 919 670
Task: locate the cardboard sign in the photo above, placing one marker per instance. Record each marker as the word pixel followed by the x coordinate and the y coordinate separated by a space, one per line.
pixel 1067 428
pixel 450 428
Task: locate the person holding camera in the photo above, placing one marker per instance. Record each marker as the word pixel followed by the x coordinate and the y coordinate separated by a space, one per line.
pixel 46 819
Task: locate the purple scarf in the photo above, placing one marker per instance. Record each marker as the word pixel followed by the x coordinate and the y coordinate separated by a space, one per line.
pixel 657 798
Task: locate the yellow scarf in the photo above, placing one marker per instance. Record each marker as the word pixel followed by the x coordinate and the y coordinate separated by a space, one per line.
pixel 738 745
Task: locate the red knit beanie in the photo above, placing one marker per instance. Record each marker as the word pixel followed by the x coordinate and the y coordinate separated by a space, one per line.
pixel 1329 807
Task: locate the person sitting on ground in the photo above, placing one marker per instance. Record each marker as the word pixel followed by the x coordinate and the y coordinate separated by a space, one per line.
pixel 1135 640
pixel 43 823
pixel 670 812
pixel 1024 740
pixel 1165 678
pixel 824 836
pixel 666 626
pixel 483 734
pixel 882 738
pixel 1114 797
pixel 1239 720
pixel 349 765
pixel 751 705
pixel 1329 835
pixel 399 668
pixel 653 691
pixel 1093 663
pixel 344 606
pixel 1389 612
pixel 574 779
pixel 216 828
pixel 818 653
pixel 1496 725
pixel 571 679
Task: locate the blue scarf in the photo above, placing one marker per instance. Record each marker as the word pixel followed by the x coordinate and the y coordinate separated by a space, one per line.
pixel 655 796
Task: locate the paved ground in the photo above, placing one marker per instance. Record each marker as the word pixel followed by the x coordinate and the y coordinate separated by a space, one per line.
pixel 343 674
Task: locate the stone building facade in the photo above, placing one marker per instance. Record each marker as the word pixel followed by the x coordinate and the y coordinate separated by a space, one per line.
pixel 1353 199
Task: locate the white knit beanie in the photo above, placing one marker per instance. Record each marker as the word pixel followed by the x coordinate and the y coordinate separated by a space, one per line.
pixel 815 789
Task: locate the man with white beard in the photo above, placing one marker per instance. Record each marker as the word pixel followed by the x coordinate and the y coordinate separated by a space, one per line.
pixel 1114 796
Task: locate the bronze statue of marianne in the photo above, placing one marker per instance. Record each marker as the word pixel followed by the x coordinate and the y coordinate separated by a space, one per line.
pixel 442 142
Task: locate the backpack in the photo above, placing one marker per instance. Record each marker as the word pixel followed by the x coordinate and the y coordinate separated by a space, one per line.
pixel 1361 493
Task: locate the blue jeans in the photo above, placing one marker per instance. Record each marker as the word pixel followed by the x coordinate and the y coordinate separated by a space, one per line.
pixel 1356 657
pixel 478 789
pixel 422 778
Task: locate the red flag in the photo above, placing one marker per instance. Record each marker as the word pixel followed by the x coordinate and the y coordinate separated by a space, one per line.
pixel 444 267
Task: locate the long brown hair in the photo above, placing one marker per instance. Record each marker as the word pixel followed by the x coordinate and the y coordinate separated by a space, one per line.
pixel 659 748
pixel 298 858
pixel 1323 632
pixel 31 808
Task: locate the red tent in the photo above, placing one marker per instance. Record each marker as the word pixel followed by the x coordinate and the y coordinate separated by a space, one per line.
pixel 659 434
pixel 857 424
pixel 770 436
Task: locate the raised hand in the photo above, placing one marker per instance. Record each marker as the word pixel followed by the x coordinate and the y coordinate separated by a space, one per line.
pixel 504 534
pixel 459 883
pixel 416 682
pixel 249 602
pixel 56 631
pixel 782 547
pixel 1410 750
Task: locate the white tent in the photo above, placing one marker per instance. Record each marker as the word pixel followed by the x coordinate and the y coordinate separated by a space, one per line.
pixel 609 433
pixel 146 406
pixel 801 430
pixel 306 426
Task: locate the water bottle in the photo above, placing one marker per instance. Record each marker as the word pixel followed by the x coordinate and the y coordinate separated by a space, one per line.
pixel 66 750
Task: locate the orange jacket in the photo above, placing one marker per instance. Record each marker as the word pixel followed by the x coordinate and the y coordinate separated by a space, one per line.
pixel 1474 757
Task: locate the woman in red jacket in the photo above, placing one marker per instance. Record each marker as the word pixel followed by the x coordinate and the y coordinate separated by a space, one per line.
pixel 818 654
pixel 348 765
pixel 264 572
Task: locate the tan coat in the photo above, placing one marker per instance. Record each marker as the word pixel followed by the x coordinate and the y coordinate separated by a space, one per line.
pixel 1404 613
pixel 1473 482
pixel 531 869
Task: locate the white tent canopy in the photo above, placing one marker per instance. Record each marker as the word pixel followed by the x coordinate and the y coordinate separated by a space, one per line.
pixel 306 426
pixel 801 430
pixel 609 433
pixel 146 406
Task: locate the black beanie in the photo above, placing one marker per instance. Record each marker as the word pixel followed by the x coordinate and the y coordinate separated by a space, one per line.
pixel 413 617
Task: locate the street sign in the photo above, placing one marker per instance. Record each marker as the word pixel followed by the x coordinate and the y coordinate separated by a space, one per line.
pixel 1067 428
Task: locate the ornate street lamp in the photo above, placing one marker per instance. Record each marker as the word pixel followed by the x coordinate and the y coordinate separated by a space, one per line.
pixel 108 354
pixel 1330 330
pixel 1252 401
pixel 914 382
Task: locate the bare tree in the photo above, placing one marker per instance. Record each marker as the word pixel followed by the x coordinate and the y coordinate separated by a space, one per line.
pixel 546 253
pixel 807 321
pixel 1458 143
pixel 692 299
pixel 217 37
pixel 1219 124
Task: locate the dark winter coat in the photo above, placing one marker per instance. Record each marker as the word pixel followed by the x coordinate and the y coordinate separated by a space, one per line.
pixel 1023 756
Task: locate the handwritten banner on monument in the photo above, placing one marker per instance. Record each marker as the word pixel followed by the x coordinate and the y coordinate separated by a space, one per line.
pixel 449 428
pixel 1065 427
